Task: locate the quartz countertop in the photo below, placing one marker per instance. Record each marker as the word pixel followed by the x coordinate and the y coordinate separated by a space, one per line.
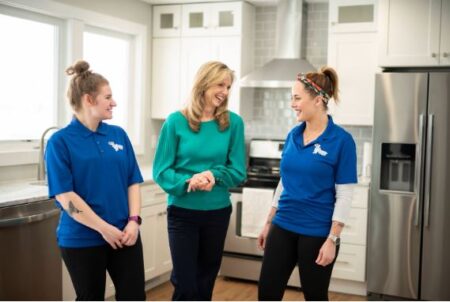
pixel 30 190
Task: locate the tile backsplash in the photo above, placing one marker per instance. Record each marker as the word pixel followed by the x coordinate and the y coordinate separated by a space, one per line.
pixel 271 114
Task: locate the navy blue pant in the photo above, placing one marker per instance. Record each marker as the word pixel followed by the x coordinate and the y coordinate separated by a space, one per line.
pixel 196 241
pixel 284 250
pixel 87 268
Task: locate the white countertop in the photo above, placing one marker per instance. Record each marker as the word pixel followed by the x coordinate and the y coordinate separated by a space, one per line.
pixel 24 191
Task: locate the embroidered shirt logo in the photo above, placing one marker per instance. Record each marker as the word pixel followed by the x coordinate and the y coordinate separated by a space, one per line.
pixel 318 150
pixel 115 146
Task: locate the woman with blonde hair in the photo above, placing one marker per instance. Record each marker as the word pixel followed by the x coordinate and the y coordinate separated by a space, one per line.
pixel 200 155
pixel 312 201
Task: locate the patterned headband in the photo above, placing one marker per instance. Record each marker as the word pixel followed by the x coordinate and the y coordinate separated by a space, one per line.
pixel 314 87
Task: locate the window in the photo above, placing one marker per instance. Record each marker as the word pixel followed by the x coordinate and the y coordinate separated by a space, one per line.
pixel 108 54
pixel 29 74
pixel 39 39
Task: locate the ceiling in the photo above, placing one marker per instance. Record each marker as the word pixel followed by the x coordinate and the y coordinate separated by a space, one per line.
pixel 254 2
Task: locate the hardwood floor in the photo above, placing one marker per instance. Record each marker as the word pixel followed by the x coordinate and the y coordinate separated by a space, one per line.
pixel 227 289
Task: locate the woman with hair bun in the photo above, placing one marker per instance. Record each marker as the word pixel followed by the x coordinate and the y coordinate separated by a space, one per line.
pixel 94 177
pixel 313 198
pixel 200 155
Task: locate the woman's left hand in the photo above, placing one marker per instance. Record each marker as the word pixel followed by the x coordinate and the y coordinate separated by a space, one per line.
pixel 131 233
pixel 327 253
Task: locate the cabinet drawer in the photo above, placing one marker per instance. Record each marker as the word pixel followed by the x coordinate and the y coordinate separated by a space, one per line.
pixel 152 194
pixel 351 263
pixel 360 197
pixel 355 229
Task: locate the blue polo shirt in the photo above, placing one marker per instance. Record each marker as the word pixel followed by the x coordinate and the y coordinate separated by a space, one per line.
pixel 309 174
pixel 98 166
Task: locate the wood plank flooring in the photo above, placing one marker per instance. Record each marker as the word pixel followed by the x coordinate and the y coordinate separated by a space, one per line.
pixel 227 289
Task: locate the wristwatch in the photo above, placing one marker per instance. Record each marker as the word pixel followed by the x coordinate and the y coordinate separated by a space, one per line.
pixel 136 219
pixel 336 239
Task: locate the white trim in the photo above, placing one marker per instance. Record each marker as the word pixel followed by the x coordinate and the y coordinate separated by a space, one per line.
pixel 75 20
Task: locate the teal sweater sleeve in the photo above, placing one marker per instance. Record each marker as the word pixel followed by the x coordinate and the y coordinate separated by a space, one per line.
pixel 233 172
pixel 163 173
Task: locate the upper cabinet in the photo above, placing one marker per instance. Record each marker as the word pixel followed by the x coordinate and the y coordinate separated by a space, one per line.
pixel 352 51
pixel 167 21
pixel 209 31
pixel 353 16
pixel 414 33
pixel 211 19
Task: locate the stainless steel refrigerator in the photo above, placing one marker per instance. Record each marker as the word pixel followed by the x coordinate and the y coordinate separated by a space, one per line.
pixel 409 216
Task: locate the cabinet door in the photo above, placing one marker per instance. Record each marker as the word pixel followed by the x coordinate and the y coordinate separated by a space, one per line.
pixel 166 21
pixel 227 50
pixel 162 250
pixel 355 229
pixel 354 56
pixel 148 237
pixel 410 32
pixel 350 263
pixel 226 18
pixel 445 33
pixel 165 76
pixel 196 20
pixel 353 16
pixel 195 52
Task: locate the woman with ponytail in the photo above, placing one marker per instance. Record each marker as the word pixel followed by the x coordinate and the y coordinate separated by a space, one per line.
pixel 313 198
pixel 200 155
pixel 94 177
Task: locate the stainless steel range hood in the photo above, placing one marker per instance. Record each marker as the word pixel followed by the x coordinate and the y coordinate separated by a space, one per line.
pixel 281 71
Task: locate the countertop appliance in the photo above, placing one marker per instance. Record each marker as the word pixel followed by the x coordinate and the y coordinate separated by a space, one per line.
pixel 409 237
pixel 30 262
pixel 242 258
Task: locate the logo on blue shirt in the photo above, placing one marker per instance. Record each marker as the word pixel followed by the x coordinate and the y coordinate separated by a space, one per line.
pixel 318 150
pixel 115 146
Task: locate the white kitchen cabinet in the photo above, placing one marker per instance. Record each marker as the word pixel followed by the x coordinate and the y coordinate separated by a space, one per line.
pixel 414 33
pixel 157 260
pixel 211 19
pixel 210 31
pixel 166 60
pixel 354 56
pixel 353 16
pixel 166 21
pixel 351 262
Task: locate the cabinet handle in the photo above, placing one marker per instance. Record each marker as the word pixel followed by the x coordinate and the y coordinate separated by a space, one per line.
pixel 445 55
pixel 434 55
pixel 333 23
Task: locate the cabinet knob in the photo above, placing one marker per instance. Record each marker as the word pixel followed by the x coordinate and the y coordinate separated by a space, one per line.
pixel 333 23
pixel 434 55
pixel 445 54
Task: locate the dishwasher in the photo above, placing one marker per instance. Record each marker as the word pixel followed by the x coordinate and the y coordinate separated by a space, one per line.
pixel 30 261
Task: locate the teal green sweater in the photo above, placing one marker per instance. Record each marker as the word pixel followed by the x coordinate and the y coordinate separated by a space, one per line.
pixel 182 153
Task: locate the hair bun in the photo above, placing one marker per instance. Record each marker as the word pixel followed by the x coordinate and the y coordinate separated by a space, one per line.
pixel 78 68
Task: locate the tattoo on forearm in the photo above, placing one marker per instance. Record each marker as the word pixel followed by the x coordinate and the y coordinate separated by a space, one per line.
pixel 73 209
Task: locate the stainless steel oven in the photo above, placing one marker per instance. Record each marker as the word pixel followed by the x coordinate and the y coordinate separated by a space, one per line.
pixel 242 258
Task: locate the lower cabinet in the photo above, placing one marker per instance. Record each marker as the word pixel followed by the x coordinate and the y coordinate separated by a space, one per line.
pixel 349 272
pixel 157 260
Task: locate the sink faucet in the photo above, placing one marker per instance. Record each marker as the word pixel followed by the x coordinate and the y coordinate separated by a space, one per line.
pixel 41 165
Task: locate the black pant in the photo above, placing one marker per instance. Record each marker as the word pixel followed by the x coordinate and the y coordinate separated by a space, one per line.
pixel 87 268
pixel 196 244
pixel 285 249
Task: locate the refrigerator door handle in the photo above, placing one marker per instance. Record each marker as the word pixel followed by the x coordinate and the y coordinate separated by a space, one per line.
pixel 428 170
pixel 418 176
